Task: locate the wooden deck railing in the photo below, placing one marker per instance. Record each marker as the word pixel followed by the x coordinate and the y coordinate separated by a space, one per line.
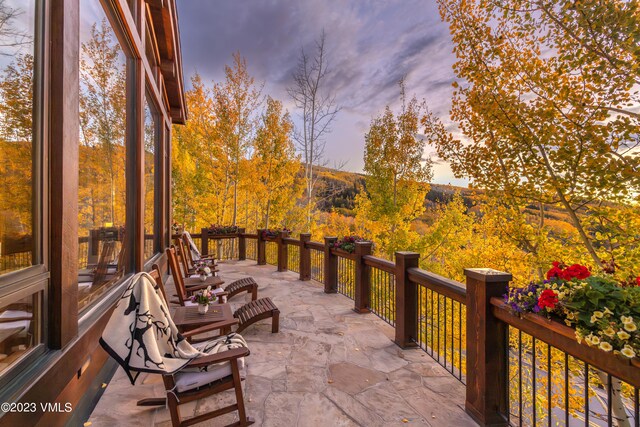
pixel 517 370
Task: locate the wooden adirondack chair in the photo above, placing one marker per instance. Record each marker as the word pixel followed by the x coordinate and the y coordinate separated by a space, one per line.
pixel 188 267
pixel 203 377
pixel 186 287
pixel 257 309
pixel 156 274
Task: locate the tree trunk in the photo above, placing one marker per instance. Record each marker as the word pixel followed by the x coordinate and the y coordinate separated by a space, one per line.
pixel 618 410
pixel 583 235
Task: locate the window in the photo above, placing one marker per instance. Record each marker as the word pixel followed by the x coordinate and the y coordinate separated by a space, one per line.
pixel 18 177
pixel 102 155
pixel 20 183
pixel 150 139
pixel 20 332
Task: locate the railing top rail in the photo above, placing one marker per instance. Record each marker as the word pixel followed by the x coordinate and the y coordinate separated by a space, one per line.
pixel 291 241
pixel 379 263
pixel 564 339
pixel 193 235
pixel 249 235
pixel 449 288
pixel 315 245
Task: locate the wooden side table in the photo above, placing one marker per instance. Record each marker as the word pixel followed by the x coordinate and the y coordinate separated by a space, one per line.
pixel 219 316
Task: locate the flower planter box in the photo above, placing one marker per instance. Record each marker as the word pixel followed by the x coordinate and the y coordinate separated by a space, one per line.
pixel 564 338
pixel 222 236
pixel 342 253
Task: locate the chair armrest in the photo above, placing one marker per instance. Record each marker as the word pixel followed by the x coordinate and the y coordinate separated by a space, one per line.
pixel 224 356
pixel 210 327
pixel 15 319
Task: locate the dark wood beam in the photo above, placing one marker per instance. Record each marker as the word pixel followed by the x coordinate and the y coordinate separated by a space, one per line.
pixel 63 180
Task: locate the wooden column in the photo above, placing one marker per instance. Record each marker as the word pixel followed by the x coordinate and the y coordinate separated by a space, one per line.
pixel 305 257
pixel 135 162
pixel 161 222
pixel 204 241
pixel 406 300
pixel 363 278
pixel 64 118
pixel 261 249
pixel 486 398
pixel 330 266
pixel 283 251
pixel 242 245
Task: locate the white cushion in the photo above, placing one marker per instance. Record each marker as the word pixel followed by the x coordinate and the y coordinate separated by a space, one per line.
pixel 190 378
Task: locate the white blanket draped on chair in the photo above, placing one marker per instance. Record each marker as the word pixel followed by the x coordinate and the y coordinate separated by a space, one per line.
pixel 195 253
pixel 142 337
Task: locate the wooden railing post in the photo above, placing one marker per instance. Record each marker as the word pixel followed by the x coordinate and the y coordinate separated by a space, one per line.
pixel 242 245
pixel 261 249
pixel 406 300
pixel 363 278
pixel 204 241
pixel 283 251
pixel 330 266
pixel 305 257
pixel 487 370
pixel 94 246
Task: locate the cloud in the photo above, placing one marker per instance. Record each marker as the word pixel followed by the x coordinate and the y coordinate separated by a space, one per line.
pixel 371 46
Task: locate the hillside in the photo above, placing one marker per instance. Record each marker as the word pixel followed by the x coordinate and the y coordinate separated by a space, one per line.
pixel 337 190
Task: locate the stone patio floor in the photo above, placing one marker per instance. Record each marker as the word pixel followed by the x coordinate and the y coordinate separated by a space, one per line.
pixel 328 366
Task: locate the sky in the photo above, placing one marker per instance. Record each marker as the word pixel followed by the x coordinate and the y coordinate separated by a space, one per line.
pixel 371 45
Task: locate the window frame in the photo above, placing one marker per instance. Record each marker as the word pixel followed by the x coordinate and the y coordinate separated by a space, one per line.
pixel 156 116
pixel 87 313
pixel 34 279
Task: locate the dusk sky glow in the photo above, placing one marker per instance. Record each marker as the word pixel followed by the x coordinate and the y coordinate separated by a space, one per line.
pixel 371 45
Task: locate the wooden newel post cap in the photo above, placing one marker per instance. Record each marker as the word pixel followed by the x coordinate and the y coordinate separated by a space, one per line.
pixel 330 239
pixel 305 237
pixel 407 255
pixel 487 275
pixel 364 248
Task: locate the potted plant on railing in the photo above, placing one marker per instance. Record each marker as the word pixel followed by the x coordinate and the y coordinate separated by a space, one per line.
pixel 270 234
pixel 348 243
pixel 203 299
pixel 604 312
pixel 216 229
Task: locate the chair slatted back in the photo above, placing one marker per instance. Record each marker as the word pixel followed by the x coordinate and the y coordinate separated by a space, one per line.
pixel 106 254
pixel 186 244
pixel 176 273
pixel 180 252
pixel 157 276
pixel 122 255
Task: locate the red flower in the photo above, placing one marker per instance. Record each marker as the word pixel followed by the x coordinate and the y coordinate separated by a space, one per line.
pixel 548 299
pixel 638 281
pixel 576 271
pixel 555 271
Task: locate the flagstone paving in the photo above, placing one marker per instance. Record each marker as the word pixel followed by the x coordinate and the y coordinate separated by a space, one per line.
pixel 328 366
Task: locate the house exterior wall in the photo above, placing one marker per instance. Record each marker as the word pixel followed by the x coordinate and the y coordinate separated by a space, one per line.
pixel 59 360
